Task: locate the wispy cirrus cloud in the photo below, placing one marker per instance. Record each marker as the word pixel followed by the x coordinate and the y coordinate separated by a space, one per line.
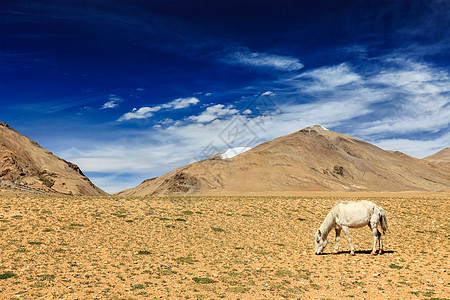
pixel 62 104
pixel 329 77
pixel 392 95
pixel 418 95
pixel 244 57
pixel 414 146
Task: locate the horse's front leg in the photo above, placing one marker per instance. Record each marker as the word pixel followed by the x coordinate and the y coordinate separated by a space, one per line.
pixel 338 237
pixel 347 233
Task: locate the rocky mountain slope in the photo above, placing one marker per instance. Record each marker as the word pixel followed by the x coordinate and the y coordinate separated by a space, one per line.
pixel 312 159
pixel 27 166
pixel 441 158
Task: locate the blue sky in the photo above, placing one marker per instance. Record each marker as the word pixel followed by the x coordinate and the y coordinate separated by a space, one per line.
pixel 130 90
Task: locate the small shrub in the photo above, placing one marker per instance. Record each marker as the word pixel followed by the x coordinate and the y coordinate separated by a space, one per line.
pixel 394 266
pixel 119 215
pixel 186 260
pixel 237 289
pixel 38 284
pixel 44 277
pixel 7 275
pixel 282 273
pixel 203 280
pixel 144 252
pixel 138 286
pixel 217 229
pixel 35 243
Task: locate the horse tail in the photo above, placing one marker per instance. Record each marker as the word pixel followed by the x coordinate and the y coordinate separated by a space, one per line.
pixel 383 220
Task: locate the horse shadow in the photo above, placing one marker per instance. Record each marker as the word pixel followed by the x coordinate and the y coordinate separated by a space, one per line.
pixel 360 252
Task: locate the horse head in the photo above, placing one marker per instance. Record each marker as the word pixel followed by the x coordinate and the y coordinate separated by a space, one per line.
pixel 320 242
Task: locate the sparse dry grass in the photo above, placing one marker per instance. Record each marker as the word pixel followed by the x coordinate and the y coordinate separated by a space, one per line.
pixel 215 247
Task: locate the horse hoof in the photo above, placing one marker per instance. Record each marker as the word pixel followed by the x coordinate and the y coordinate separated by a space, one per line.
pixel 381 252
pixel 335 252
pixel 373 253
pixel 352 253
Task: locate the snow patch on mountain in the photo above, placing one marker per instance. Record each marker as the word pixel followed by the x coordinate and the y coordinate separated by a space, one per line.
pixel 232 152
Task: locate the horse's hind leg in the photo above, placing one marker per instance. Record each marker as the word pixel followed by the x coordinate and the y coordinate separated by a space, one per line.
pixel 380 246
pixel 338 237
pixel 347 233
pixel 376 239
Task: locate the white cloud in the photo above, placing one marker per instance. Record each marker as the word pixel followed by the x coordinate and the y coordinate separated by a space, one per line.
pixel 419 98
pixel 264 60
pixel 147 112
pixel 181 103
pixel 401 97
pixel 419 114
pixel 141 113
pixel 414 78
pixel 415 147
pixel 213 112
pixel 113 101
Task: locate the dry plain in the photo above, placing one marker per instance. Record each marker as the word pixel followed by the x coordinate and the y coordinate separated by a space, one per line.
pixel 251 247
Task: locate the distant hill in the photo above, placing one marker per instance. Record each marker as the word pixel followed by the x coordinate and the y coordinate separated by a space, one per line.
pixel 26 166
pixel 312 159
pixel 441 158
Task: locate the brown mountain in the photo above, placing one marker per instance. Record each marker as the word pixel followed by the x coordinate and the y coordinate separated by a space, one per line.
pixel 312 159
pixel 441 159
pixel 24 165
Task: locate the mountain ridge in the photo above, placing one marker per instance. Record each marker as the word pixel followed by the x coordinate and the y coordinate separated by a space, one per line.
pixel 440 158
pixel 25 164
pixel 311 159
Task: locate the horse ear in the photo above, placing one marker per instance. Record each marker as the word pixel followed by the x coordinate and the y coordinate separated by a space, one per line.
pixel 319 233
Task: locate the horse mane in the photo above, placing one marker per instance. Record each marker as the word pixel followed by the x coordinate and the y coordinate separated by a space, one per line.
pixel 329 222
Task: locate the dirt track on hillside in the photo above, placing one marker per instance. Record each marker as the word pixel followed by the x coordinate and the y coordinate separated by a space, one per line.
pixel 216 247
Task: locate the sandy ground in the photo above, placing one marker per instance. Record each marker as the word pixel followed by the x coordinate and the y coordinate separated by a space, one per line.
pixel 217 247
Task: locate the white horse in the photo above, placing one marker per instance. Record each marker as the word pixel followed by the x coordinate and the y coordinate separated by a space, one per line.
pixel 351 214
